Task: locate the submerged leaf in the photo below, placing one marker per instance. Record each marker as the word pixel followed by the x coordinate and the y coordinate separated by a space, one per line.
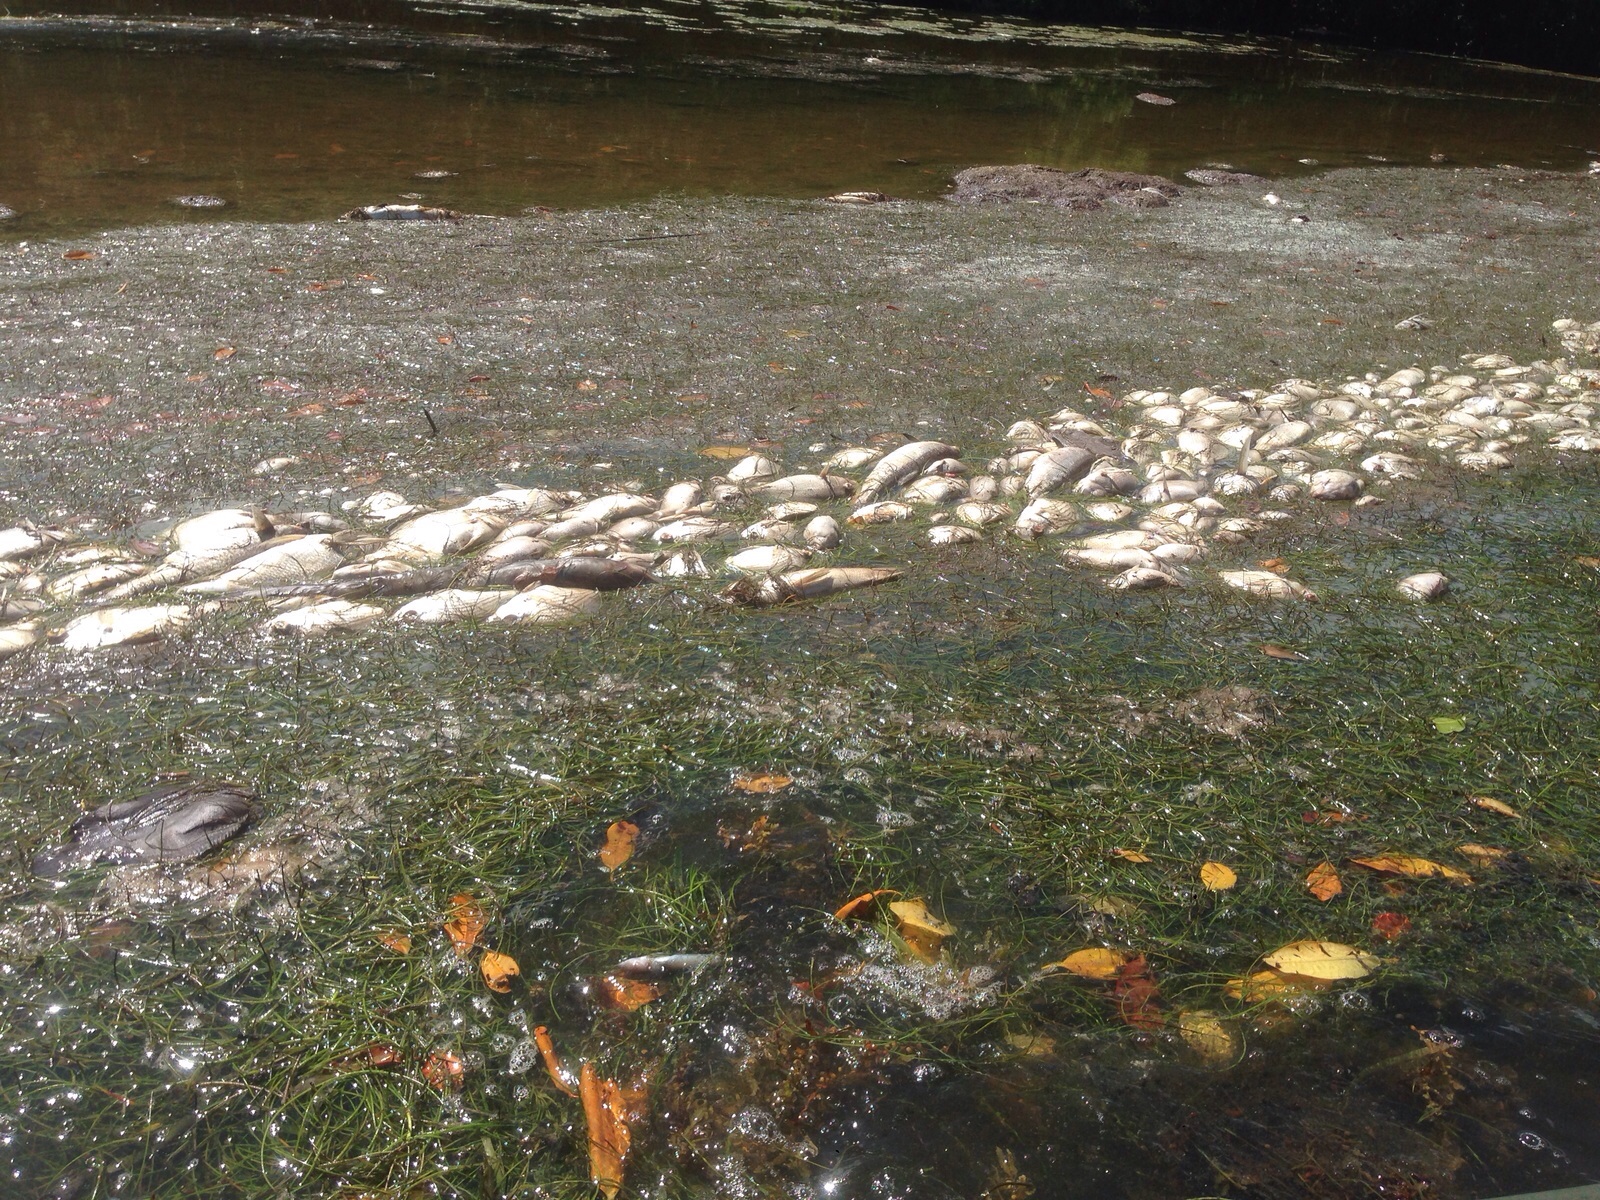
pixel 1490 804
pixel 1208 1036
pixel 1217 877
pixel 444 1070
pixel 1137 997
pixel 1484 856
pixel 559 1075
pixel 1411 867
pixel 1449 724
pixel 1272 650
pixel 605 1109
pixel 498 969
pixel 1323 882
pixel 464 922
pixel 761 784
pixel 1095 962
pixel 394 940
pixel 1321 960
pixel 1390 925
pixel 923 931
pixel 618 848
pixel 1132 856
pixel 852 908
pixel 625 993
pixel 725 451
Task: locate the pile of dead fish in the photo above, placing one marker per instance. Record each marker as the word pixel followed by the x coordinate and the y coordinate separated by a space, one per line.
pixel 1173 484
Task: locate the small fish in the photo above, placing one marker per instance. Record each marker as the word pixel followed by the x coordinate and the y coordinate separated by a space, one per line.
pixel 1058 468
pixel 167 824
pixel 665 964
pixel 764 560
pixel 400 212
pixel 679 499
pixel 822 533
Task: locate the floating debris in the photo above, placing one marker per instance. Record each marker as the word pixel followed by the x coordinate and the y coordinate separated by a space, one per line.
pixel 167 824
pixel 401 212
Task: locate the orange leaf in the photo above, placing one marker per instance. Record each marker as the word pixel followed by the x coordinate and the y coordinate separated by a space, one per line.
pixel 1587 560
pixel 761 783
pixel 1217 877
pixel 313 409
pixel 1332 321
pixel 498 969
pixel 445 339
pixel 224 352
pixel 552 1065
pixel 1276 565
pixel 1390 925
pixel 620 837
pixel 1324 882
pixel 1098 392
pixel 588 385
pixel 1132 856
pixel 375 1055
pixel 1283 652
pixel 78 255
pixel 1095 962
pixel 852 908
pixel 1137 998
pixel 444 1070
pixel 394 940
pixel 465 922
pixel 624 993
pixel 605 1111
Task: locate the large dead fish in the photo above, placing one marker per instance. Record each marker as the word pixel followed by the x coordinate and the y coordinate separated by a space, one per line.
pixel 291 560
pixel 903 463
pixel 1059 468
pixel 168 824
pixel 810 584
pixel 186 566
pixel 438 534
pixel 108 627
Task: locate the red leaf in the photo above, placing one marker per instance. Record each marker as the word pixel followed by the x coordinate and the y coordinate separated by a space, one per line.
pixel 1137 997
pixel 1390 925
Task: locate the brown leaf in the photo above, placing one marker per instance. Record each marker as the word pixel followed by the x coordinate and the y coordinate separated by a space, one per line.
pixel 1411 867
pixel 588 385
pixel 464 922
pixel 852 908
pixel 1483 856
pixel 313 409
pixel 444 1070
pixel 1217 877
pixel 1332 321
pixel 378 1054
pixel 1098 393
pixel 1390 925
pixel 1283 652
pixel 1137 997
pixel 1587 560
pixel 618 849
pixel 223 352
pixel 552 1064
pixel 625 993
pixel 1276 565
pixel 1490 804
pixel 761 784
pixel 1323 882
pixel 79 255
pixel 444 339
pixel 394 940
pixel 605 1110
pixel 497 970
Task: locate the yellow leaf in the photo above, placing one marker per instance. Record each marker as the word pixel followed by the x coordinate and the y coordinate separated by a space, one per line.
pixel 923 931
pixel 1132 856
pixel 1265 985
pixel 1217 877
pixel 498 969
pixel 761 784
pixel 1323 882
pixel 1208 1036
pixel 1490 804
pixel 1095 962
pixel 1484 856
pixel 618 849
pixel 1034 1045
pixel 725 451
pixel 465 922
pixel 1321 960
pixel 1411 867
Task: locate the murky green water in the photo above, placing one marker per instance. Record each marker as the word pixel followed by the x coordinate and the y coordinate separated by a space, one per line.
pixel 105 119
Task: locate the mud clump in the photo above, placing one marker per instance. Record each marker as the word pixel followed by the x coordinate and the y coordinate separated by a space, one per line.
pixel 1082 191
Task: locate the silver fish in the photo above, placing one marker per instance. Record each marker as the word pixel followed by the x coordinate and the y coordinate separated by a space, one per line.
pixel 903 463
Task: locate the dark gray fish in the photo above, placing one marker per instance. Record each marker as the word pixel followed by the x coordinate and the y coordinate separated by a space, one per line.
pixel 400 212
pixel 170 823
pixel 393 583
pixel 596 574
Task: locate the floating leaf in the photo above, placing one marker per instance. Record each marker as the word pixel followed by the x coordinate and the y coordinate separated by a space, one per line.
pixel 464 922
pixel 498 969
pixel 1448 724
pixel 1490 804
pixel 852 908
pixel 1267 985
pixel 1137 997
pixel 377 1054
pixel 78 255
pixel 618 848
pixel 1323 882
pixel 605 1109
pixel 1411 867
pixel 1277 566
pixel 1587 560
pixel 625 993
pixel 1208 1036
pixel 559 1075
pixel 1217 877
pixel 444 1070
pixel 1132 856
pixel 1390 925
pixel 1321 960
pixel 1484 856
pixel 761 784
pixel 394 940
pixel 1283 652
pixel 725 451
pixel 1095 962
pixel 923 931
pixel 223 352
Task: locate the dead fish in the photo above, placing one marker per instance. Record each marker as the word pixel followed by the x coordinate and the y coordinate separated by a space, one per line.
pixel 1102 559
pixel 1058 468
pixel 16 638
pixel 812 489
pixel 881 513
pixel 86 581
pixel 1265 583
pixel 853 458
pixel 108 627
pixel 822 533
pixel 771 530
pixel 22 541
pixel 903 463
pixel 595 574
pixel 693 529
pixel 400 212
pixel 764 560
pixel 1044 516
pixel 1335 485
pixel 632 529
pixel 679 498
pixel 185 566
pixel 611 508
pixel 1429 585
pixel 983 488
pixel 1143 579
pixel 573 527
pixel 1118 539
pixel 933 489
pixel 331 616
pixel 515 549
pixel 790 509
pixel 167 824
pixel 655 965
pixel 293 560
pixel 514 504
pixel 384 508
pixel 1107 481
pixel 953 535
pixel 981 513
pixel 683 564
pixel 218 528
pixel 546 605
pixel 752 467
pixel 438 534
pixel 805 585
pixel 1109 511
pixel 18 607
pixel 452 604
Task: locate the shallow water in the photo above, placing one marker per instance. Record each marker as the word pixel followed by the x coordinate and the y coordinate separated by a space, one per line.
pixel 105 119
